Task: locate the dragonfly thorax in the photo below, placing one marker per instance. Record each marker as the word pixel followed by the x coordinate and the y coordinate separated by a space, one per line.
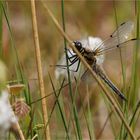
pixel 90 57
pixel 87 53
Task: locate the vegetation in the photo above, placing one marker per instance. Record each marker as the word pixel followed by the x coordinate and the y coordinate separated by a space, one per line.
pixel 33 37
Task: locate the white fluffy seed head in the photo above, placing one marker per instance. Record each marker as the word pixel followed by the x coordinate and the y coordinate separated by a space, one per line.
pixel 7 117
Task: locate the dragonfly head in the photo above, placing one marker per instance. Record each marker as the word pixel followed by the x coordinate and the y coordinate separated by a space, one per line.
pixel 78 45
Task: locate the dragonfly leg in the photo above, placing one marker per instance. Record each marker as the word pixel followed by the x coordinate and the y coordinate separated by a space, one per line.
pixel 72 57
pixel 69 51
pixel 77 66
pixel 74 61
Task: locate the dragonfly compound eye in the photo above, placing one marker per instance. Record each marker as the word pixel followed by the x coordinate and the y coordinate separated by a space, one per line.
pixel 78 45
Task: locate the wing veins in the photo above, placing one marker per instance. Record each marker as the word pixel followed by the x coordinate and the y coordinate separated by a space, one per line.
pixel 103 51
pixel 123 31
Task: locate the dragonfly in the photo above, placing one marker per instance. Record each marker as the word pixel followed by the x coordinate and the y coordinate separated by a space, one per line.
pixel 118 39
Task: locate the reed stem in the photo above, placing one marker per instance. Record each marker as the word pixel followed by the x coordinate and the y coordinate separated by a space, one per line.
pixel 39 69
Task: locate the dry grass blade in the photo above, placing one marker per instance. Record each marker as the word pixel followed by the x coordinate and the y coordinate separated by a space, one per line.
pixel 107 119
pixel 34 137
pixel 17 126
pixel 39 69
pixel 20 131
pixel 112 101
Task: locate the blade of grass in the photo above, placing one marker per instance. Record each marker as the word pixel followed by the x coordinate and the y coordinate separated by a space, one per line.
pixel 122 130
pixel 76 117
pixel 30 124
pixel 113 118
pixel 132 118
pixel 18 69
pixel 33 102
pixel 16 56
pixel 136 54
pixel 69 79
pixel 82 111
pixel 14 51
pixel 88 117
pixel 134 79
pixel 71 122
pixel 120 52
pixel 107 119
pixel 39 68
pixel 71 113
pixel 59 106
pixel 120 114
pixel 1 31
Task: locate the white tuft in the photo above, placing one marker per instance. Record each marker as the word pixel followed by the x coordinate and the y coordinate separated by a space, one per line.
pixel 7 117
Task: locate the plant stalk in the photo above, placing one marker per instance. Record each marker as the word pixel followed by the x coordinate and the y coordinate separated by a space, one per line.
pixel 39 69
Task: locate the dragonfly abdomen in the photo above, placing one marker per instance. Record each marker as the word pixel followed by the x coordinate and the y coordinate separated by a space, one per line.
pixel 100 73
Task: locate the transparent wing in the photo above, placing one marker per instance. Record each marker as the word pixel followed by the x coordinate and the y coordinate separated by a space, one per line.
pixel 87 77
pixel 116 46
pixel 119 36
pixel 124 30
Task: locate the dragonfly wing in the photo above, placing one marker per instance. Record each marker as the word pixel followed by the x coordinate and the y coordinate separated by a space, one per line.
pixel 124 30
pixel 87 77
pixel 119 62
pixel 120 35
pixel 114 45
